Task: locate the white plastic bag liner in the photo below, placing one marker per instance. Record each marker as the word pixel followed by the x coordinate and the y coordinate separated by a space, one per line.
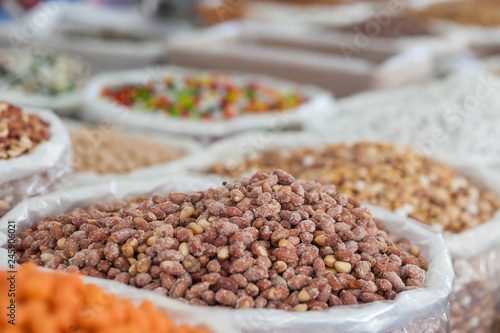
pixel 96 107
pixel 457 115
pixel 63 104
pixel 40 170
pixel 335 62
pixel 106 54
pixel 185 145
pixel 475 252
pixel 300 15
pixel 420 310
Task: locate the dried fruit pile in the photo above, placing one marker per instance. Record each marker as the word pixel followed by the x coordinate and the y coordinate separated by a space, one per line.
pixel 204 96
pixel 20 132
pixel 65 304
pixel 115 153
pixel 386 175
pixel 266 242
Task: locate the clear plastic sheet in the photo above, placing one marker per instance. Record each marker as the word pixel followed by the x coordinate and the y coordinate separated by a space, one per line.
pixel 96 108
pixel 40 170
pixel 475 252
pixel 419 310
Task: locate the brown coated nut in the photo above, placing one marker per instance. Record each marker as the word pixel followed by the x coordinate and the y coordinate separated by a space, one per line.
pixel 287 245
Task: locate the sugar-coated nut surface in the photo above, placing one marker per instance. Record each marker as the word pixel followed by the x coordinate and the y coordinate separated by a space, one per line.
pixel 263 263
pixel 396 178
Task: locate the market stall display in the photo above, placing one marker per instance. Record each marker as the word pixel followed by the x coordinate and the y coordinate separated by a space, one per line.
pixel 333 61
pixel 65 304
pixel 462 202
pixel 237 194
pixel 42 78
pixel 34 153
pixel 202 103
pixel 190 262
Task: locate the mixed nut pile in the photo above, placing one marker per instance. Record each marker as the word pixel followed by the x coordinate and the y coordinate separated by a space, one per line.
pixel 115 153
pixel 204 96
pixel 20 132
pixel 41 72
pixel 396 178
pixel 268 241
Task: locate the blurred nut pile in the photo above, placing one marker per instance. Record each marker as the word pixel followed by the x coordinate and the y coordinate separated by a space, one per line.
pixel 468 12
pixel 394 27
pixel 20 132
pixel 6 198
pixel 212 12
pixel 65 304
pixel 269 241
pixel 472 302
pixel 396 178
pixel 115 153
pixel 41 72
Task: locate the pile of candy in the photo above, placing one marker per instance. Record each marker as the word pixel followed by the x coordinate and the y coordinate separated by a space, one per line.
pixel 205 96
